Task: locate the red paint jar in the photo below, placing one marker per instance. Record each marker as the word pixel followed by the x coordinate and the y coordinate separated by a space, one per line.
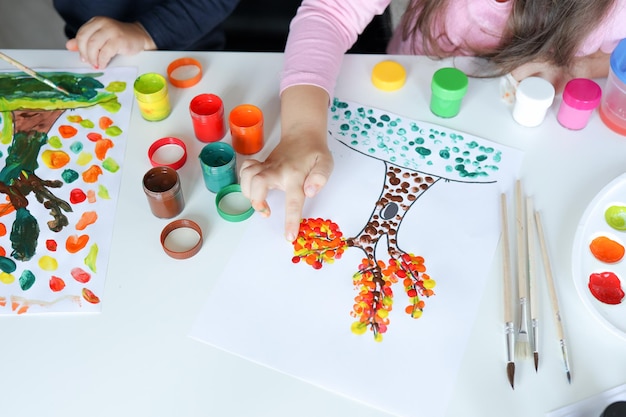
pixel 207 116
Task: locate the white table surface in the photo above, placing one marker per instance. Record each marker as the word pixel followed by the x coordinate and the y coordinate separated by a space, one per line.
pixel 135 357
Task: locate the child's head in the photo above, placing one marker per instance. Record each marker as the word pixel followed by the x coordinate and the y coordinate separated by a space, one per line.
pixel 538 30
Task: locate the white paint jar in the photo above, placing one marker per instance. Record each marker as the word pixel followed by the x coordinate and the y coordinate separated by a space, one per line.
pixel 533 98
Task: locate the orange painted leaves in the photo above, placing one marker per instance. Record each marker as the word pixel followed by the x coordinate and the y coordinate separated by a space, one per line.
pixel 75 243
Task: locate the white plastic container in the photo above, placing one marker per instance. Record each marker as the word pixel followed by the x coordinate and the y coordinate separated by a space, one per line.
pixel 533 98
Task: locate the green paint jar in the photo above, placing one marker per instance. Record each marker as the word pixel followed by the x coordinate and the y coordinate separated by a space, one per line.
pixel 448 86
pixel 152 96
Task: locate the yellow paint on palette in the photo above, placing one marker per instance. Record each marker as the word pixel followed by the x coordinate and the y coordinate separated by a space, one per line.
pixel 84 158
pixel 48 263
pixel 6 278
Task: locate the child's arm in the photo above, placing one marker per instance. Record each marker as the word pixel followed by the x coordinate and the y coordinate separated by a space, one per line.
pixel 301 163
pixel 101 38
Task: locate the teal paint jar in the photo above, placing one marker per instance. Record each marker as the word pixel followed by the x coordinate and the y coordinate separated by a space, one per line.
pixel 448 86
pixel 219 165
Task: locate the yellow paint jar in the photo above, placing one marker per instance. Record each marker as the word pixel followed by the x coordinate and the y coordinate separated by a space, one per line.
pixel 152 96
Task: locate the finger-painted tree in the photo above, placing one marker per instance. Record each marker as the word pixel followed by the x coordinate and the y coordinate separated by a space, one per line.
pixel 29 109
pixel 415 160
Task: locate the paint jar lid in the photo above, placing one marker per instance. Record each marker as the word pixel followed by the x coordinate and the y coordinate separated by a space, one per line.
pixel 618 60
pixel 162 146
pixel 536 91
pixel 184 72
pixel 232 205
pixel 449 83
pixel 388 75
pixel 181 239
pixel 582 94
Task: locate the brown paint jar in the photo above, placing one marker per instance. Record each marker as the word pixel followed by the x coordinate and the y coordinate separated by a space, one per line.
pixel 165 195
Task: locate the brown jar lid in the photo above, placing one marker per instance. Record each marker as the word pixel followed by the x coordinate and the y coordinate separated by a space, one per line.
pixel 171 249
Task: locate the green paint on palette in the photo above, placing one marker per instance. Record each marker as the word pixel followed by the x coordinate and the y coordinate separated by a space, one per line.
pixel 76 147
pixel 27 279
pixel 55 142
pixel 92 256
pixel 110 165
pixel 7 265
pixel 103 192
pixel 113 131
pixel 87 124
pixel 615 216
pixel 69 176
pixel 116 87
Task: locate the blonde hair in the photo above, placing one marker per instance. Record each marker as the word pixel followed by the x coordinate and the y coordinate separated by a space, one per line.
pixel 537 30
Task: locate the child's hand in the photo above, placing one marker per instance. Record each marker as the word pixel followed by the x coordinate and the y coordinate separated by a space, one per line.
pixel 299 167
pixel 101 38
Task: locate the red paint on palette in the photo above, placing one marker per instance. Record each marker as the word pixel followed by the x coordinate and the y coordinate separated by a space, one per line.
pixel 606 287
pixel 51 245
pixel 77 196
pixel 80 275
pixel 56 283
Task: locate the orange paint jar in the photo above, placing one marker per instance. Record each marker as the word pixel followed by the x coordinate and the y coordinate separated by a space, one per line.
pixel 246 129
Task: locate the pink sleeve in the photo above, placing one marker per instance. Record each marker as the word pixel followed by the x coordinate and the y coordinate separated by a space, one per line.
pixel 319 35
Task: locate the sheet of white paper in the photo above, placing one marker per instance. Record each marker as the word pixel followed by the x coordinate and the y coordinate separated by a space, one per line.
pixel 297 320
pixel 61 277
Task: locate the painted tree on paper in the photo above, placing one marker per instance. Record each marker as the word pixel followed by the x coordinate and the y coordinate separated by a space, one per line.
pixel 415 160
pixel 29 109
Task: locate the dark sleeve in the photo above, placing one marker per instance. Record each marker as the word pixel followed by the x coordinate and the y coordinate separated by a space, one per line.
pixel 184 24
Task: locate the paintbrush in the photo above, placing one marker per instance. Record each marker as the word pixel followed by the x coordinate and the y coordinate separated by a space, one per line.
pixel 33 74
pixel 553 298
pixel 522 343
pixel 532 280
pixel 509 329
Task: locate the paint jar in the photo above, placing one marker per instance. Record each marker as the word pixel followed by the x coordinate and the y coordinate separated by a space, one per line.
pixel 448 86
pixel 165 195
pixel 613 105
pixel 152 96
pixel 580 97
pixel 246 128
pixel 219 165
pixel 616 409
pixel 533 97
pixel 207 116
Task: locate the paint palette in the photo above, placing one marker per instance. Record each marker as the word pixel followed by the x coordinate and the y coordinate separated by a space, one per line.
pixel 598 263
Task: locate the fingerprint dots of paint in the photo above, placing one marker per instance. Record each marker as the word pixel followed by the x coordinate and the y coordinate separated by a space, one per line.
pixel 606 286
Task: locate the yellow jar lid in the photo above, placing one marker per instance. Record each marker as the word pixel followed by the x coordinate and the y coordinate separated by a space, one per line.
pixel 388 75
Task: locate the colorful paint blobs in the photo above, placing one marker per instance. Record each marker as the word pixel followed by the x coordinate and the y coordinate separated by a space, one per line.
pixel 91 174
pixel 110 165
pixel 84 158
pixel 606 287
pixel 51 245
pixel 103 193
pixel 87 124
pixel 56 283
pixel 615 216
pixel 80 275
pixel 89 296
pixel 69 176
pixel 318 241
pixel 75 243
pixel 67 131
pixel 6 278
pixel 76 147
pixel 48 263
pixel 102 147
pixel 55 142
pixel 7 264
pixel 55 159
pixel 606 250
pixel 94 136
pixel 27 280
pixel 105 122
pixel 113 131
pixel 87 218
pixel 92 257
pixel 77 196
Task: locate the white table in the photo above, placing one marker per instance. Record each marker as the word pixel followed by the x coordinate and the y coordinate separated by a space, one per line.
pixel 135 358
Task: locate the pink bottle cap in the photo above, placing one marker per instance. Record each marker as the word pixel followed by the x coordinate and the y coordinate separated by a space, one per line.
pixel 582 94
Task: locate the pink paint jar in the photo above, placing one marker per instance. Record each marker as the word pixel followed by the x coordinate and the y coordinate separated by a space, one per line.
pixel 580 98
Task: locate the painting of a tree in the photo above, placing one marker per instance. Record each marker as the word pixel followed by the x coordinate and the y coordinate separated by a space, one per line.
pixel 415 160
pixel 32 107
